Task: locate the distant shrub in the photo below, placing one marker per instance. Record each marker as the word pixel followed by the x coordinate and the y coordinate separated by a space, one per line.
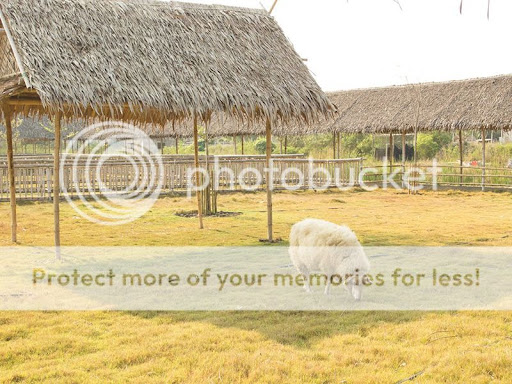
pixel 260 146
pixel 365 147
pixel 427 146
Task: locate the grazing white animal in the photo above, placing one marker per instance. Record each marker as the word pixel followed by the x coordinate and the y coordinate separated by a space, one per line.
pixel 318 245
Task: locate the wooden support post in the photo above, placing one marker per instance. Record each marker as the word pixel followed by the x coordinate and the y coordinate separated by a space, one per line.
pixel 56 183
pixel 177 145
pixel 207 193
pixel 415 158
pixel 269 181
pixel 162 142
pixel 334 145
pixel 404 157
pixel 10 167
pixel 483 159
pixel 339 145
pixel 404 149
pixel 461 158
pixel 242 140
pixel 234 143
pixel 391 152
pixel 198 174
pixel 286 145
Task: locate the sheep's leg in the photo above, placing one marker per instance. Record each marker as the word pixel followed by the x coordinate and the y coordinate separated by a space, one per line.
pixel 305 272
pixel 307 287
pixel 328 286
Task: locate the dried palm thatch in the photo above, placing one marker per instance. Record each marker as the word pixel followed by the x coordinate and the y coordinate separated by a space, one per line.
pixel 467 104
pixel 153 62
pixel 224 125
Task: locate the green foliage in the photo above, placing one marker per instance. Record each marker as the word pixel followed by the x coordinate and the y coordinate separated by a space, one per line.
pixel 427 146
pixel 201 144
pixel 365 147
pixel 293 150
pixel 350 143
pixel 260 146
pixel 441 138
pixel 500 154
pixel 430 144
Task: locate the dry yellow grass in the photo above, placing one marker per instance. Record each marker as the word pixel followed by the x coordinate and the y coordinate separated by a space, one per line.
pixel 291 347
pixel 379 218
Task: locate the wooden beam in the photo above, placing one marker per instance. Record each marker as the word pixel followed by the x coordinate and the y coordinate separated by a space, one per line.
pixel 273 6
pixel 198 174
pixel 10 167
pixel 269 182
pixel 56 183
pixel 10 76
pixel 24 102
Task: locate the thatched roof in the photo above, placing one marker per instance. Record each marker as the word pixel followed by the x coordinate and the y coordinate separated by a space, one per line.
pixel 153 61
pixel 467 104
pixel 225 125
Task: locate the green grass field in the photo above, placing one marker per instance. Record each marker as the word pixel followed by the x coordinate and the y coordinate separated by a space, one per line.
pixel 268 347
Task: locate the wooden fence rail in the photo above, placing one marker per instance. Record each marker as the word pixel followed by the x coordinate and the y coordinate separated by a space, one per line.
pixel 34 175
pixel 33 180
pixel 442 176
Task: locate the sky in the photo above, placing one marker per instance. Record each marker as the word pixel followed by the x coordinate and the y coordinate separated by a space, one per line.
pixel 369 43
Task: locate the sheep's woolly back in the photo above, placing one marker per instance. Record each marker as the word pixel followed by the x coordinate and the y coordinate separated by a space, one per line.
pixel 320 233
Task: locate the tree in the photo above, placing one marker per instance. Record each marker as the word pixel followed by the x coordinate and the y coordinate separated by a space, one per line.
pixel 261 146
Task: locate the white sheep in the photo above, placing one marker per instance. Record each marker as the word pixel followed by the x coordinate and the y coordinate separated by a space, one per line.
pixel 318 245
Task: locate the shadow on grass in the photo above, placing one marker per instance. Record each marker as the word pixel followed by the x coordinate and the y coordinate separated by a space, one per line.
pixel 28 203
pixel 298 329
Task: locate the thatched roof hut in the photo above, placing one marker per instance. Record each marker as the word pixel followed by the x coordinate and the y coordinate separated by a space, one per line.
pixel 467 104
pixel 151 61
pixel 148 62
